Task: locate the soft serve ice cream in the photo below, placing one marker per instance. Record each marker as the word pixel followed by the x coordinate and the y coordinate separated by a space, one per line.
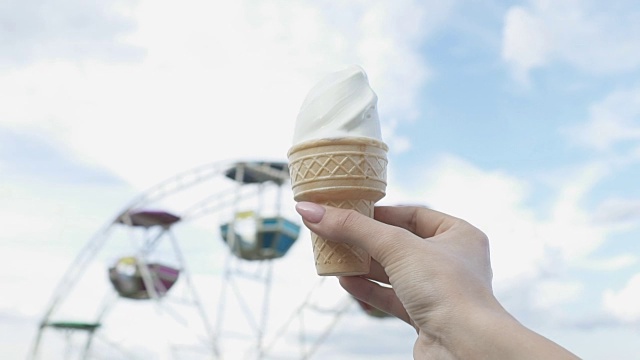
pixel 339 159
pixel 341 105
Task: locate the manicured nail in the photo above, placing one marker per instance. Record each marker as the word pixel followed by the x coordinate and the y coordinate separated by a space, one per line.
pixel 309 211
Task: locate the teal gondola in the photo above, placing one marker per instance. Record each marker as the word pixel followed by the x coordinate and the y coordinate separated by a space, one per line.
pixel 274 236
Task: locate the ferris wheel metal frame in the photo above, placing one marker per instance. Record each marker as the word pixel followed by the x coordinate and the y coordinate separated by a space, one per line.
pixel 249 178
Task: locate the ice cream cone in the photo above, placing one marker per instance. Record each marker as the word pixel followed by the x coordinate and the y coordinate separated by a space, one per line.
pixel 348 173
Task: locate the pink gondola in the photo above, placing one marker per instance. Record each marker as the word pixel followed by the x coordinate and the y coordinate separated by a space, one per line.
pixel 127 277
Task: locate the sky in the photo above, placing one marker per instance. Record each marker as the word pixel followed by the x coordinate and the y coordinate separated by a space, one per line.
pixel 521 117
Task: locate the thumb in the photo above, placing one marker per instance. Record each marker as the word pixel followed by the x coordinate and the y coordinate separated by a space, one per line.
pixel 385 243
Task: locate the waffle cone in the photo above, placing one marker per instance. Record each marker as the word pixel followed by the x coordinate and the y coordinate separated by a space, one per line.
pixel 348 173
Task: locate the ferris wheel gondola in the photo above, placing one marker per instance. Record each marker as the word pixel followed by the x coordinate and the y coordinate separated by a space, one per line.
pixel 132 277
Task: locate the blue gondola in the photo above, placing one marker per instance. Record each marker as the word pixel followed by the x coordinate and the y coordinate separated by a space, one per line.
pixel 273 238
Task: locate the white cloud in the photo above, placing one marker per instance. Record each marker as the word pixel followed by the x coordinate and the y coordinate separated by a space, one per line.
pixel 552 294
pixel 19 269
pixel 623 211
pixel 36 29
pixel 623 304
pixel 525 42
pixel 218 80
pixel 593 36
pixel 612 121
pixel 570 228
pixel 611 263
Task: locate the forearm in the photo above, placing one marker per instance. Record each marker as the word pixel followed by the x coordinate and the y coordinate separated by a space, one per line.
pixel 503 337
pixel 492 333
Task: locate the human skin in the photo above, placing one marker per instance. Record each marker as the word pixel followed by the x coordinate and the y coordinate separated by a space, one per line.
pixel 432 271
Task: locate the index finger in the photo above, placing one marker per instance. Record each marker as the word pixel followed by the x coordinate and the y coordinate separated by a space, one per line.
pixel 383 242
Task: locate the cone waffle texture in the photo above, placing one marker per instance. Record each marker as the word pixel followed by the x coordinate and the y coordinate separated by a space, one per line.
pixel 348 173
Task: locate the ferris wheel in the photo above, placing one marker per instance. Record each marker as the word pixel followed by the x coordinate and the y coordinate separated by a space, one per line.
pixel 131 292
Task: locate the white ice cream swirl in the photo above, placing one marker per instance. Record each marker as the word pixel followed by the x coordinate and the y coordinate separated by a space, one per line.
pixel 341 105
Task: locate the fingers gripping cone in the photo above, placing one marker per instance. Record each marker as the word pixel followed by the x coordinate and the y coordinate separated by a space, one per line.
pixel 348 173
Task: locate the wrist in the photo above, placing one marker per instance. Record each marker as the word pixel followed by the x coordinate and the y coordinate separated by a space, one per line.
pixel 485 330
pixel 462 329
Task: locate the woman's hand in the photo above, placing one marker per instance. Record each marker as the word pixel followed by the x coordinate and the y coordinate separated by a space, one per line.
pixel 433 271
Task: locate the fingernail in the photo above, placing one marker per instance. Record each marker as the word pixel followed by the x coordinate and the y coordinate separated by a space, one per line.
pixel 310 212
